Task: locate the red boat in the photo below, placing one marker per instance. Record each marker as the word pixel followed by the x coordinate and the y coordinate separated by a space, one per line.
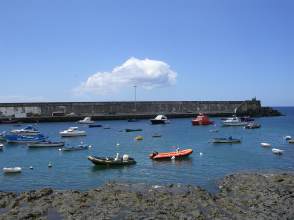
pixel 170 155
pixel 201 120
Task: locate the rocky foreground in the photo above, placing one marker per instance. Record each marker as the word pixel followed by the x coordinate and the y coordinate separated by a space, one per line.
pixel 241 196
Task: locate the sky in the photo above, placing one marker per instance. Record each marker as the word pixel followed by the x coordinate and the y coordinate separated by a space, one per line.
pixel 97 50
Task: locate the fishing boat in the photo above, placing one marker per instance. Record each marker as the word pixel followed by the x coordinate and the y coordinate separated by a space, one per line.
pixel 86 120
pixel 139 138
pixel 28 130
pixel 159 119
pixel 291 141
pixel 94 126
pixel 8 170
pixel 234 121
pixel 78 148
pixel 13 138
pixel 277 151
pixel 265 145
pixel 252 125
pixel 112 161
pixel 72 132
pixel 133 130
pixel 201 119
pixel 228 140
pixel 171 155
pixel 46 144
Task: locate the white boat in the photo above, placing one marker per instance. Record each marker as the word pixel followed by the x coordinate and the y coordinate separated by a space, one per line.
pixel 234 121
pixel 72 132
pixel 265 144
pixel 1 146
pixel 29 131
pixel 12 169
pixel 86 120
pixel 159 119
pixel 277 151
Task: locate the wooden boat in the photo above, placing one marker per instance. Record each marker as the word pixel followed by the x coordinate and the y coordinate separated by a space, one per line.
pixel 78 148
pixel 8 170
pixel 229 140
pixel 168 155
pixel 94 126
pixel 139 138
pixel 159 119
pixel 277 151
pixel 265 145
pixel 111 161
pixel 201 119
pixel 252 125
pixel 46 144
pixel 133 130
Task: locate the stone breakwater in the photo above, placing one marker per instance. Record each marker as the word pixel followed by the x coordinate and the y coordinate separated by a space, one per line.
pixel 240 196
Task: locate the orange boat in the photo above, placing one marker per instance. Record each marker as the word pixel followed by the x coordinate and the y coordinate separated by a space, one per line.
pixel 169 155
pixel 201 120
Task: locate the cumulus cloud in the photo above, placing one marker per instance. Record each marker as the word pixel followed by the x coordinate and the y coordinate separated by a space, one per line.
pixel 145 73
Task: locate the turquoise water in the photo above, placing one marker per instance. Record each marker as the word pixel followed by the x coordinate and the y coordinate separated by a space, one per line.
pixel 72 170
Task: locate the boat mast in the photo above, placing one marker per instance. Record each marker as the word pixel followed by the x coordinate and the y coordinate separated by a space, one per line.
pixel 135 87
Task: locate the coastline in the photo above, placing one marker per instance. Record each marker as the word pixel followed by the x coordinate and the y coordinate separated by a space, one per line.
pixel 240 196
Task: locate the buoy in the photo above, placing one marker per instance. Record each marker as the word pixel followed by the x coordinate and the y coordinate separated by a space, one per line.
pixel 173 157
pixel 49 164
pixel 31 167
pixel 200 153
pixel 60 149
pixel 117 144
pixel 90 146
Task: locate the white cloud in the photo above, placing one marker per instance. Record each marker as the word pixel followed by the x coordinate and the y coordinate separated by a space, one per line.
pixel 144 73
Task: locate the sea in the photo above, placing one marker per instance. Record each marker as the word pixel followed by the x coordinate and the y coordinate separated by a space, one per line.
pixel 205 167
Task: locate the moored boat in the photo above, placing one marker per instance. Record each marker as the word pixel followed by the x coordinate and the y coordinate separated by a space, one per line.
pixel 28 130
pixel 133 130
pixel 201 119
pixel 159 119
pixel 8 170
pixel 287 138
pixel 277 151
pixel 1 146
pixel 169 155
pixel 139 138
pixel 24 139
pixel 72 132
pixel 86 120
pixel 112 161
pixel 291 141
pixel 246 119
pixel 94 126
pixel 252 125
pixel 234 121
pixel 265 145
pixel 46 144
pixel 78 148
pixel 228 140
pixel 156 135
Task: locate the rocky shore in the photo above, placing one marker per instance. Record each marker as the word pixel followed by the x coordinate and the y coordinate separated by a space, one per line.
pixel 240 196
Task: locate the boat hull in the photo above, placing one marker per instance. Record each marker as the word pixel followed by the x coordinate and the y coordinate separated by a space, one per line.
pixel 46 144
pixel 156 122
pixel 110 161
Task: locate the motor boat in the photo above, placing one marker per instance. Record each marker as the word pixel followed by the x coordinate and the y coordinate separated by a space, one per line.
pixel 13 138
pixel 72 132
pixel 8 170
pixel 78 148
pixel 228 140
pixel 277 151
pixel 252 125
pixel 234 121
pixel 29 130
pixel 112 161
pixel 171 155
pixel 46 144
pixel 201 119
pixel 159 119
pixel 86 120
pixel 265 145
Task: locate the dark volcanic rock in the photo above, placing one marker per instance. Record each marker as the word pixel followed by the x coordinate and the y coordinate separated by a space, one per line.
pixel 241 196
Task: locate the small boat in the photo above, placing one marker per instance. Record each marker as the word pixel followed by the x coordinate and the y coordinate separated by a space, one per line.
pixel 235 121
pixel 277 151
pixel 133 130
pixel 168 155
pixel 112 161
pixel 139 138
pixel 228 140
pixel 72 132
pixel 78 148
pixel 156 135
pixel 94 126
pixel 46 144
pixel 29 131
pixel 291 141
pixel 265 145
pixel 287 138
pixel 132 120
pixel 24 139
pixel 159 119
pixel 201 119
pixel 1 146
pixel 9 121
pixel 252 125
pixel 86 120
pixel 8 170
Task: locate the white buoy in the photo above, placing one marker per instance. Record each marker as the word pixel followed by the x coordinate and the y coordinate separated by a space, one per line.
pixel 173 158
pixel 60 149
pixel 49 164
pixel 117 144
pixel 200 153
pixel 90 146
pixel 31 167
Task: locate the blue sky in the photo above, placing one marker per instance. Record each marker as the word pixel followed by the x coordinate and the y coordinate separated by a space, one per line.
pixel 219 50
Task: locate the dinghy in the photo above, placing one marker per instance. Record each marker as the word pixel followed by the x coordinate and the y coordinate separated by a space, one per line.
pixel 168 155
pixel 110 161
pixel 228 140
pixel 277 151
pixel 12 169
pixel 265 144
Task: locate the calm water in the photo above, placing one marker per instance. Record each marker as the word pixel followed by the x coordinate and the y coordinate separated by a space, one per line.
pixel 72 170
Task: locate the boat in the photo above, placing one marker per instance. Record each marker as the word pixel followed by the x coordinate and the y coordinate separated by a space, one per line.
pixel 78 148
pixel 28 130
pixel 2 136
pixel 228 140
pixel 94 126
pixel 1 146
pixel 46 144
pixel 9 121
pixel 159 119
pixel 13 138
pixel 133 130
pixel 287 138
pixel 72 132
pixel 252 125
pixel 139 138
pixel 156 135
pixel 277 151
pixel 112 161
pixel 291 141
pixel 214 130
pixel 168 155
pixel 201 119
pixel 8 170
pixel 133 120
pixel 265 145
pixel 86 120
pixel 234 121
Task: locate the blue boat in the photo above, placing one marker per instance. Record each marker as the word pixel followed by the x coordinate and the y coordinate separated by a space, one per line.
pixel 12 138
